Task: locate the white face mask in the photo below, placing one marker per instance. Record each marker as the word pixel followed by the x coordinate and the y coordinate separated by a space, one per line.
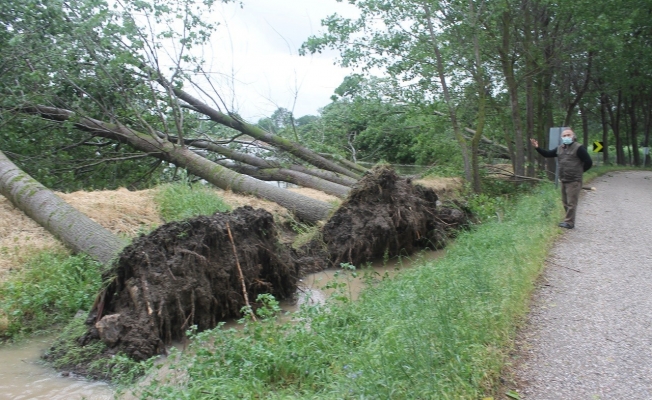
pixel 567 140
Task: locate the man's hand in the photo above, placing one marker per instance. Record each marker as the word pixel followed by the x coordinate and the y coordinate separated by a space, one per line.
pixel 534 143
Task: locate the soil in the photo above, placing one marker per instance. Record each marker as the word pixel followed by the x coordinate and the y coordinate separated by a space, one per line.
pixel 185 274
pixel 384 216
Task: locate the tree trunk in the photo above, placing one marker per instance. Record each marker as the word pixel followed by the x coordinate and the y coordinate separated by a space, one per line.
pixel 512 87
pixel 605 128
pixel 647 123
pixel 482 103
pixel 290 176
pixel 530 68
pixel 73 228
pixel 255 132
pixel 585 125
pixel 615 126
pixel 304 207
pixel 633 129
pixel 447 97
pixel 323 180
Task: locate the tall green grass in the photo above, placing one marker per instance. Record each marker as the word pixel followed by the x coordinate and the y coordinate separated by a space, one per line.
pixel 182 200
pixel 435 332
pixel 48 290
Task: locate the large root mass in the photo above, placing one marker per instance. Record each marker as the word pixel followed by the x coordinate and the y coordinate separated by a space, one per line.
pixel 185 274
pixel 384 215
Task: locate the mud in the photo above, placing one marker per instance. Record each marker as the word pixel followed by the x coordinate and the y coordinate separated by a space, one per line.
pixel 184 274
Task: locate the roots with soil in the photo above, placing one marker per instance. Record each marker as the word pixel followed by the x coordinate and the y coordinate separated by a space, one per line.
pixel 184 274
pixel 384 215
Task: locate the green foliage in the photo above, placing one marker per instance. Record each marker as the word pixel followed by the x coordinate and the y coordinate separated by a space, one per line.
pixel 49 290
pixel 497 195
pixel 93 57
pixel 182 200
pixel 436 331
pixel 364 122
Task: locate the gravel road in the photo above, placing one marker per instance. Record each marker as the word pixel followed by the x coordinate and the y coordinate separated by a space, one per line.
pixel 589 332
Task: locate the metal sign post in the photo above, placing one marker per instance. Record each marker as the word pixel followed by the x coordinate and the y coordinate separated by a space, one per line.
pixel 554 141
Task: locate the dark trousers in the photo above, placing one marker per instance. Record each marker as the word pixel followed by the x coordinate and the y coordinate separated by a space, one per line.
pixel 570 194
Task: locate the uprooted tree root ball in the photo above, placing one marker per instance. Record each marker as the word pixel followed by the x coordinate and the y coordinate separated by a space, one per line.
pixel 384 215
pixel 185 274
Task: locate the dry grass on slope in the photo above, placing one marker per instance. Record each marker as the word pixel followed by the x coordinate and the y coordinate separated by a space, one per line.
pixel 122 212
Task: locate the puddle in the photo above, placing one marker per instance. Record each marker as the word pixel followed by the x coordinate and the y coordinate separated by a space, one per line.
pixel 23 376
pixel 313 287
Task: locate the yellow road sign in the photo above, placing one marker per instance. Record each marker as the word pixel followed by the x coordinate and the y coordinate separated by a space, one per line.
pixel 597 147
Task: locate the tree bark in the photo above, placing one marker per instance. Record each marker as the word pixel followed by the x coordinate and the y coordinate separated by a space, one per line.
pixel 512 87
pixel 262 163
pixel 605 128
pixel 304 207
pixel 73 228
pixel 447 97
pixel 633 128
pixel 290 176
pixel 232 122
pixel 585 125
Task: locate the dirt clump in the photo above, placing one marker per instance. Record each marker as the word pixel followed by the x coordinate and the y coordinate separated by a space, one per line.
pixel 384 215
pixel 184 274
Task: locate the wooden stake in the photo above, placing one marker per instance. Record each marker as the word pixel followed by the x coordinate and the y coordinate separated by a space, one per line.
pixel 242 281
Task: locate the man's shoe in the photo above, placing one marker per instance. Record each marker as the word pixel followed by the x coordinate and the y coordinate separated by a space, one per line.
pixel 566 225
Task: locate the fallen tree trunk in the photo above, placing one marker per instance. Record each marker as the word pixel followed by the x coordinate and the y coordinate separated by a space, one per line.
pixel 304 207
pixel 255 132
pixel 73 228
pixel 290 176
pixel 262 163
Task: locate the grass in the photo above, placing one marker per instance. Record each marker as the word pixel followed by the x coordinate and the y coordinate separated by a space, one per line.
pixel 436 331
pixel 47 291
pixel 90 360
pixel 181 200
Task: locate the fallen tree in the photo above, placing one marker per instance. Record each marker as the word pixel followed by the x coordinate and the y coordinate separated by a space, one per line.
pixel 304 207
pixel 70 226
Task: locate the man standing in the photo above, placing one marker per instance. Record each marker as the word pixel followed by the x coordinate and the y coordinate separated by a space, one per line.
pixel 574 160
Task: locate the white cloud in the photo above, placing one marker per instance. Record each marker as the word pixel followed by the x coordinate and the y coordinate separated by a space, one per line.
pixel 254 56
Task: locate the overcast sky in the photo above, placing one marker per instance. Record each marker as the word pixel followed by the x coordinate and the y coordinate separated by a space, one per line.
pixel 258 45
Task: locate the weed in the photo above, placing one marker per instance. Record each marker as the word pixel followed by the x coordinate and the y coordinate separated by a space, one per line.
pixel 67 354
pixel 48 290
pixel 305 233
pixel 182 200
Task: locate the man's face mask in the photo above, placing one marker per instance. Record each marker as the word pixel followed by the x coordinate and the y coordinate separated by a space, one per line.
pixel 567 140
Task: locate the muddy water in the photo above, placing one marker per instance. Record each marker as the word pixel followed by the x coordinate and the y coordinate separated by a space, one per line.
pixel 22 375
pixel 314 288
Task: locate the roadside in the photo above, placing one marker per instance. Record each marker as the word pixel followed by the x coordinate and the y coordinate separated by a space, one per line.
pixel 589 332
